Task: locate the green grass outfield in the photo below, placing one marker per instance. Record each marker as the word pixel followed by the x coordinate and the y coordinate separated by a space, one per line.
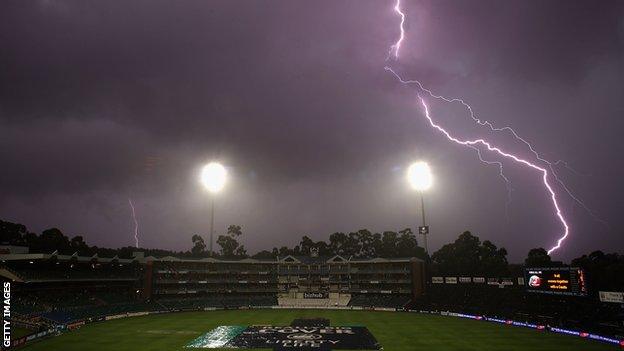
pixel 394 331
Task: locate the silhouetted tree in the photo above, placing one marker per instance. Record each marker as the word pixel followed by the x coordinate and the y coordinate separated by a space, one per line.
pixel 338 244
pixel 52 240
pixel 199 246
pixel 493 259
pixel 77 244
pixel 364 244
pixel 603 271
pixel 230 247
pixel 282 251
pixel 467 256
pixel 538 257
pixel 12 233
pixel 264 254
pixel 407 245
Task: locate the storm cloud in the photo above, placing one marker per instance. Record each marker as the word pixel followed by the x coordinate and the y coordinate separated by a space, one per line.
pixel 105 100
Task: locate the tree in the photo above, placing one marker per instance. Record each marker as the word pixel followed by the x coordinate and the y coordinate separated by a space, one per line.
pixel 304 246
pixel 338 244
pixel 52 240
pixel 365 244
pixel 264 255
pixel 240 252
pixel 388 247
pixel 282 251
pixel 235 231
pixel 360 244
pixel 493 259
pixel 230 247
pixel 407 245
pixel 199 246
pixel 467 256
pixel 12 233
pixel 602 271
pixel 77 244
pixel 459 257
pixel 538 257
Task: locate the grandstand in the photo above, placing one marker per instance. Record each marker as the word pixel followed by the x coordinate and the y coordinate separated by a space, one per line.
pixel 67 288
pixel 63 288
pixel 513 303
pixel 302 281
pixel 52 290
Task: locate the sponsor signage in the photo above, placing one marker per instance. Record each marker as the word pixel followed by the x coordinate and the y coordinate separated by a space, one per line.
pixel 465 280
pixel 293 337
pixel 492 281
pixel 556 280
pixel 315 295
pixel 19 341
pixel 611 296
pixel 478 280
pixel 530 325
pixel 450 280
pixel 437 280
pixel 136 314
pixel 507 281
pixel 75 325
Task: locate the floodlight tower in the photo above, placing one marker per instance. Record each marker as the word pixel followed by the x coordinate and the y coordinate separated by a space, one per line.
pixel 213 178
pixel 419 177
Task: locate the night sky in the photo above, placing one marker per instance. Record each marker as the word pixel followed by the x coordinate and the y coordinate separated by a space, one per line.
pixel 101 101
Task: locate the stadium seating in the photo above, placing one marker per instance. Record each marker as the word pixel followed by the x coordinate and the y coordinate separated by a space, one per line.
pixel 380 300
pixel 215 301
pixel 340 301
pixel 515 303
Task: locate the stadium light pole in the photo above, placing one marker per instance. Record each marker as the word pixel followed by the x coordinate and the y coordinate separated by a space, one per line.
pixel 420 178
pixel 213 177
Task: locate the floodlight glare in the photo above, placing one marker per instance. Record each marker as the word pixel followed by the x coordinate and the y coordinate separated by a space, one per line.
pixel 213 176
pixel 419 176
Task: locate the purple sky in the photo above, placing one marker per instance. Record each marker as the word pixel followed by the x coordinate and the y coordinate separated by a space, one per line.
pixel 105 100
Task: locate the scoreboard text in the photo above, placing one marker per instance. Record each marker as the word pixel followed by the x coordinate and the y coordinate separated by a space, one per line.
pixel 556 280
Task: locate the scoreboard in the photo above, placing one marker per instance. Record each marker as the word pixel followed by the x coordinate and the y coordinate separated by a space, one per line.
pixel 556 280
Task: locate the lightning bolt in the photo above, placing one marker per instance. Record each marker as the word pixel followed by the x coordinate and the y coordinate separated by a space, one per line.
pixel 481 142
pixel 501 173
pixel 517 137
pixel 394 49
pixel 136 224
pixel 547 170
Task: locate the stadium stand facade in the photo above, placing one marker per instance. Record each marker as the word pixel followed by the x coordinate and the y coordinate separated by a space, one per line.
pixel 294 281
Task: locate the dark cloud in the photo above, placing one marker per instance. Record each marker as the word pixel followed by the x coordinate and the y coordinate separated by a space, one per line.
pixel 103 100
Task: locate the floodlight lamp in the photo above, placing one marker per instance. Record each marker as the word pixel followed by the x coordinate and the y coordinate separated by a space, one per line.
pixel 213 177
pixel 419 176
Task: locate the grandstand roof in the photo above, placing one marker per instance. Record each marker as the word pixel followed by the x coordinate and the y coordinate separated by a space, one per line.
pixel 41 256
pixel 289 258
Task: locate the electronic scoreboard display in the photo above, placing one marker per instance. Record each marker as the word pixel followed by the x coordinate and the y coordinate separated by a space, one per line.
pixel 556 280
